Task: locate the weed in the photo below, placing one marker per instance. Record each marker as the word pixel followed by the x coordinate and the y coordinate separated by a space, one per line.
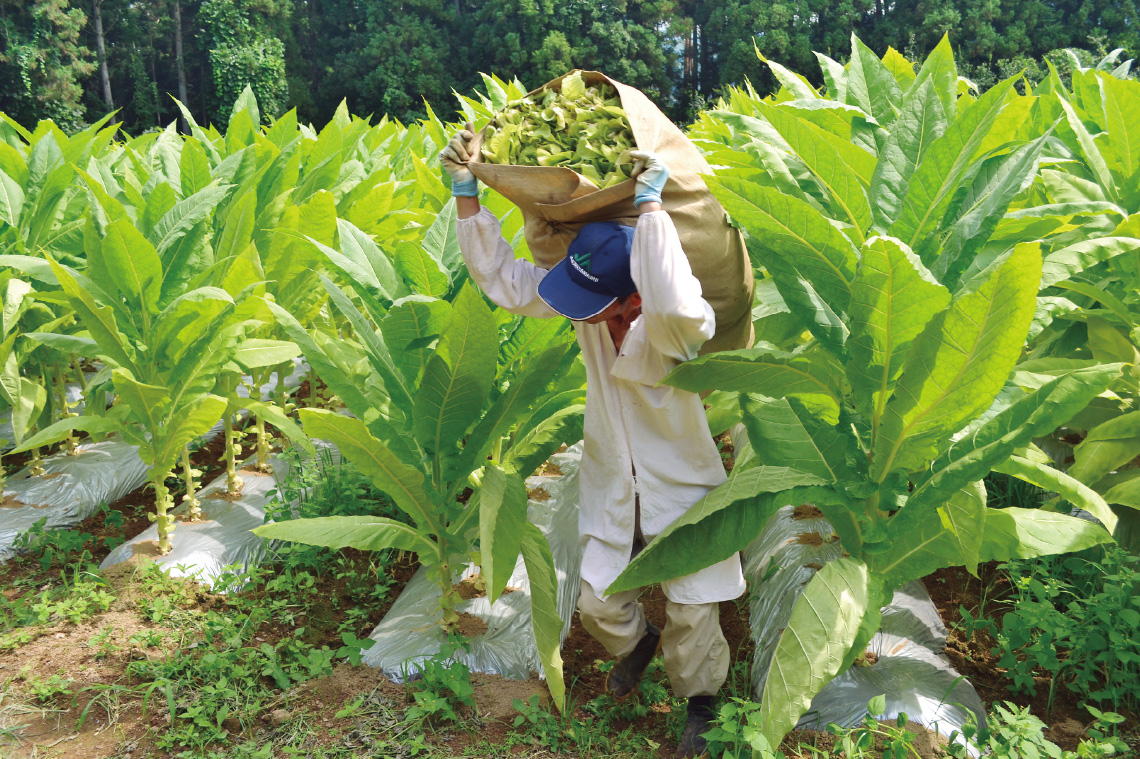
pixel 444 685
pixel 48 690
pixel 1076 618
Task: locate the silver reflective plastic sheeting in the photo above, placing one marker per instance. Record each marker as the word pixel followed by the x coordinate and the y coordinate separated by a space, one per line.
pixel 910 669
pixel 71 491
pixel 102 473
pixel 222 542
pixel 410 632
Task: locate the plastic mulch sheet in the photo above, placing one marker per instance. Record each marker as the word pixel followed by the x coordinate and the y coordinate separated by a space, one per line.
pixel 71 490
pixel 906 665
pixel 410 632
pixel 75 486
pixel 204 550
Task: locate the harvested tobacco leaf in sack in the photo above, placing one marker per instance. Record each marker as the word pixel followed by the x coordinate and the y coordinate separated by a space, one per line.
pixel 558 194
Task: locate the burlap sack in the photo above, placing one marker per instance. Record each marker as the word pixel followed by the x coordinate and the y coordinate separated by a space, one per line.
pixel 557 201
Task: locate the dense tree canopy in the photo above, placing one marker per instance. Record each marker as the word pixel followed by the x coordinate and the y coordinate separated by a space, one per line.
pixel 73 60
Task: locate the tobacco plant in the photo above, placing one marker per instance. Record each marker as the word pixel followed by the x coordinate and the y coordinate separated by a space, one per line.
pixel 873 210
pixel 453 406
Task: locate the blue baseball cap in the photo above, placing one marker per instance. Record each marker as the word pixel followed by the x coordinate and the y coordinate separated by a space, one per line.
pixel 594 274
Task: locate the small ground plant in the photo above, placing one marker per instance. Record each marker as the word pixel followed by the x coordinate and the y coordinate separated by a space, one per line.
pixel 1075 618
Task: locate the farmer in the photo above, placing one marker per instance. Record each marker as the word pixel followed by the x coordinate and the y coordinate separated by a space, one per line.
pixel 648 456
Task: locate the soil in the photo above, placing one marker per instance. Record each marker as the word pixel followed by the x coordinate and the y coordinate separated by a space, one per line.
pixel 113 726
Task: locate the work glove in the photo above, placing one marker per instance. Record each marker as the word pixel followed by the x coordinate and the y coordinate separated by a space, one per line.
pixel 454 159
pixel 652 177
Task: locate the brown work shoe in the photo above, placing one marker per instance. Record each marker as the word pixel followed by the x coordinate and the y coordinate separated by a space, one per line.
pixel 626 674
pixel 698 723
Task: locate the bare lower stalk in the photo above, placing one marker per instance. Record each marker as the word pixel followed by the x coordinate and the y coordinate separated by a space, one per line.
pixel 448 598
pixel 282 392
pixel 3 479
pixel 233 450
pixel 162 517
pixel 37 463
pixel 262 437
pixel 189 476
pixel 70 443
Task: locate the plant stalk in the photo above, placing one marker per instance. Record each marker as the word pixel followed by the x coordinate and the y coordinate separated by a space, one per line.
pixel 233 450
pixel 70 443
pixel 37 463
pixel 448 598
pixel 189 476
pixel 162 517
pixel 262 437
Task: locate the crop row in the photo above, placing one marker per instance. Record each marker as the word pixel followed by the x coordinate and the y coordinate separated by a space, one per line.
pixel 947 285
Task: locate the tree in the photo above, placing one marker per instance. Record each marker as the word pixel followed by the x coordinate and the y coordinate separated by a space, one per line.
pixel 245 39
pixel 44 63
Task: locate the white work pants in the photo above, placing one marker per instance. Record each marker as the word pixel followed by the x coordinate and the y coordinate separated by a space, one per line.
pixel 696 653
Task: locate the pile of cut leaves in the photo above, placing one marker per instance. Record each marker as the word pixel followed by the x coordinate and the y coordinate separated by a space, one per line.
pixel 579 126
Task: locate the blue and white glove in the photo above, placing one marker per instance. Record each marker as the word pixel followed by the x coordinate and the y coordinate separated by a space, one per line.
pixel 454 159
pixel 652 177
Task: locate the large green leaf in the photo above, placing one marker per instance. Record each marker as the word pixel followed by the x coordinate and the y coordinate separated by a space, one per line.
pixel 1034 414
pixel 133 266
pixel 338 381
pixel 870 84
pixel 1053 480
pixel 1092 155
pixel 93 425
pixel 194 167
pixel 183 217
pixel 720 524
pixel 1016 533
pixel 794 234
pixel 1122 109
pixel 545 433
pixel 502 514
pixel 835 163
pixel 939 70
pixel 958 364
pixel 784 433
pixel 922 538
pixel 812 648
pixel 458 376
pixel 758 370
pixel 892 300
pixel 378 353
pixel 238 230
pixel 402 481
pixel 1075 258
pixel 1107 446
pixel 422 272
pixel 441 241
pixel 193 420
pixel 11 200
pixel 99 320
pixel 508 408
pixel 920 123
pixel 998 182
pixel 364 533
pixel 545 622
pixel 410 322
pixel 363 260
pixel 258 353
pixel 944 165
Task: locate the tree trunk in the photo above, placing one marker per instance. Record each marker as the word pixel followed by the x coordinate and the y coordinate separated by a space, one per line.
pixel 104 74
pixel 178 63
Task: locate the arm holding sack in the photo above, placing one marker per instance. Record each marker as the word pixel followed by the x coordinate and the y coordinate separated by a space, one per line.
pixel 678 320
pixel 512 283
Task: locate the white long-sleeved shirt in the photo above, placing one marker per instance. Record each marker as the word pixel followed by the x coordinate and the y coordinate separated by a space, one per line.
pixel 643 443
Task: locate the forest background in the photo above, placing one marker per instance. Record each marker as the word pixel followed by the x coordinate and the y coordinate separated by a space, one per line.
pixel 75 60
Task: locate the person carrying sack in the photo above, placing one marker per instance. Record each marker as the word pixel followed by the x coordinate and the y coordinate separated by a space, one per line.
pixel 647 454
